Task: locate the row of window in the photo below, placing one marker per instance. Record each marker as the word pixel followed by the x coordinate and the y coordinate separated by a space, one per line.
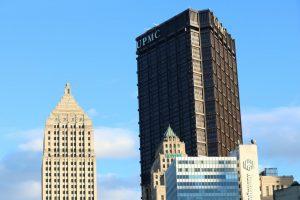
pixel 67 186
pixel 72 168
pixel 62 149
pixel 70 162
pixel 66 138
pixel 70 126
pixel 217 176
pixel 69 155
pixel 69 198
pixel 71 133
pixel 71 174
pixel 206 169
pixel 224 183
pixel 174 145
pixel 172 151
pixel 213 192
pixel 66 174
pixel 207 162
pixel 73 180
pixel 270 189
pixel 71 192
pixel 70 144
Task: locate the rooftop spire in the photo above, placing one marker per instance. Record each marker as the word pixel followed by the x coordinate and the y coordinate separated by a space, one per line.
pixel 67 103
pixel 68 89
pixel 169 132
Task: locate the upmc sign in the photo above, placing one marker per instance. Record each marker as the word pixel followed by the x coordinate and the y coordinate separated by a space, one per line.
pixel 148 39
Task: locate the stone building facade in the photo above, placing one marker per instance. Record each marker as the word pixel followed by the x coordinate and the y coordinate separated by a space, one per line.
pixel 69 162
pixel 269 184
pixel 170 148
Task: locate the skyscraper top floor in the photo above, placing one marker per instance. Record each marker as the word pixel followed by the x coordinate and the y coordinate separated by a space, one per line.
pixel 181 22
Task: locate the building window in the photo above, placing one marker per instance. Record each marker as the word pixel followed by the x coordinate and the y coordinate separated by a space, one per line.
pixel 268 191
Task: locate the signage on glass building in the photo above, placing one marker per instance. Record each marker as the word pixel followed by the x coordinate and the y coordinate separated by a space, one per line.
pixel 148 38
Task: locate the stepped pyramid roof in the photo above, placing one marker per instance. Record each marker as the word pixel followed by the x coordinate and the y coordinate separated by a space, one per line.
pixel 68 103
pixel 169 132
pixel 68 110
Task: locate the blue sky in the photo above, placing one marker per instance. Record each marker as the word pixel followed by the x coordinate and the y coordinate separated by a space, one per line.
pixel 44 44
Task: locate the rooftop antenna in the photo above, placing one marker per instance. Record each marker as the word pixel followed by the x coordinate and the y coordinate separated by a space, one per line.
pixel 68 88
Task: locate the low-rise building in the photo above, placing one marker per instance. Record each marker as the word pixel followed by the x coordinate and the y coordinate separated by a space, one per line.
pixel 270 182
pixel 209 178
pixel 290 193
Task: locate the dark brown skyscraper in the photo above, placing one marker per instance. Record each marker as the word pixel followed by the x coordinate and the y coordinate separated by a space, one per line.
pixel 187 77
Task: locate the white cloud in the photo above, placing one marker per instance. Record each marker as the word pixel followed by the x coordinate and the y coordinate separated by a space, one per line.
pixel 20 176
pixel 115 143
pixel 277 132
pixel 31 133
pixel 29 190
pixel 112 186
pixel 110 142
pixel 29 140
pixel 26 135
pixel 275 115
pixel 26 190
pixel 113 180
pixel 92 112
pixel 120 194
pixel 32 145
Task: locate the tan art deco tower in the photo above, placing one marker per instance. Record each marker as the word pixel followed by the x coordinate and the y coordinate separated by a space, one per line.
pixel 170 148
pixel 69 162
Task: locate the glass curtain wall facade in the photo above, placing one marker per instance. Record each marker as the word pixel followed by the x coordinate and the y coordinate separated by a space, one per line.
pixel 187 77
pixel 170 89
pixel 269 172
pixel 207 178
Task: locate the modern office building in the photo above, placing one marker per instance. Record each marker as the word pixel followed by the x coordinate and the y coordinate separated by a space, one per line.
pixel 209 178
pixel 247 157
pixel 187 77
pixel 290 193
pixel 271 182
pixel 69 163
pixel 269 172
pixel 170 148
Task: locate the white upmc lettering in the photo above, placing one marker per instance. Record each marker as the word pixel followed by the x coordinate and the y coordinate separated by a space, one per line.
pixel 149 38
pixel 157 34
pixel 144 40
pixel 138 44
